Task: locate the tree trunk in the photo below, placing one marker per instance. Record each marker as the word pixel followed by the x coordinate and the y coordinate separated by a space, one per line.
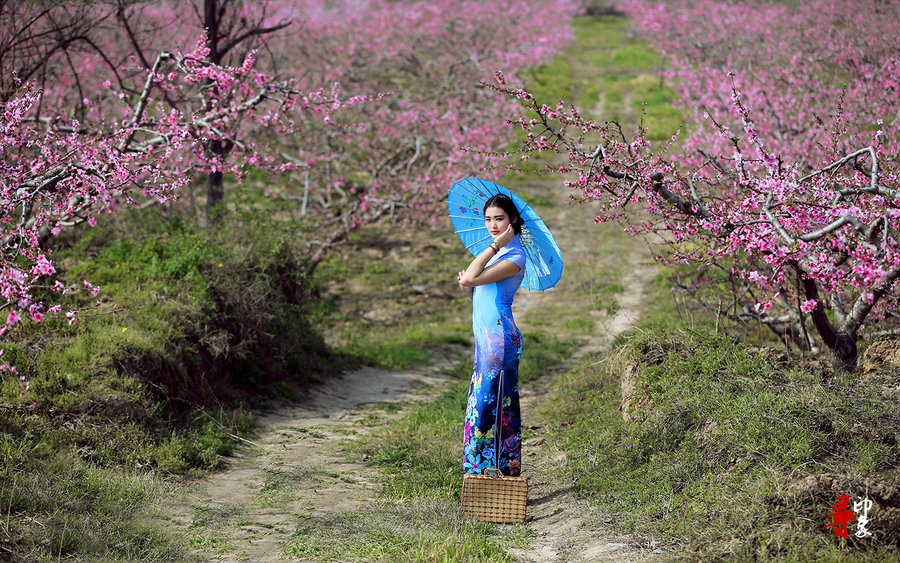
pixel 222 37
pixel 215 193
pixel 846 351
pixel 842 343
pixel 842 340
pixel 211 22
pixel 215 190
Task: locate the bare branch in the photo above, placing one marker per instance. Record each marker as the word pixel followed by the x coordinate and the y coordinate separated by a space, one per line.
pixel 251 33
pixel 144 98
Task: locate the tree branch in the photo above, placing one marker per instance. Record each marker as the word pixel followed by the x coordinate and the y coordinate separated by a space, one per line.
pixel 252 33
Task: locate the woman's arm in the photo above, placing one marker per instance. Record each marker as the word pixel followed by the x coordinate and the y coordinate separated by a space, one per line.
pixel 499 271
pixel 477 274
pixel 470 291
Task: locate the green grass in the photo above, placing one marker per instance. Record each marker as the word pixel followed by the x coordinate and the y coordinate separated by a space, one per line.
pixel 627 79
pixel 390 307
pixel 404 347
pixel 208 530
pixel 660 119
pixel 713 439
pixel 552 81
pixel 603 288
pixel 606 32
pixel 538 200
pixel 193 329
pixel 546 352
pixel 416 530
pixel 635 57
pixel 76 508
pixel 421 449
pixel 578 325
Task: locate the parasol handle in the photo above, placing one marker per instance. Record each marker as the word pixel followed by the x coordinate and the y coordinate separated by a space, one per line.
pixel 498 439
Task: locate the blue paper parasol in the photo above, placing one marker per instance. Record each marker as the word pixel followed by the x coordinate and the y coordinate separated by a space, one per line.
pixel 543 266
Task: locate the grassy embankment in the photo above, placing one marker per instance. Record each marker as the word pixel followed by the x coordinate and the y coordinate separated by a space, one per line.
pixel 724 450
pixel 731 451
pixel 159 380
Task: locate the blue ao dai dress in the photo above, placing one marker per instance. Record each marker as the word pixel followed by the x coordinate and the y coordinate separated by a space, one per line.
pixel 498 347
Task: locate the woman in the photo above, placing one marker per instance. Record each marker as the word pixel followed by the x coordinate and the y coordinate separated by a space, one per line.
pixel 491 280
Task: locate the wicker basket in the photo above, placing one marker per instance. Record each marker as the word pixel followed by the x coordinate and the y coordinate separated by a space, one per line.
pixel 494 497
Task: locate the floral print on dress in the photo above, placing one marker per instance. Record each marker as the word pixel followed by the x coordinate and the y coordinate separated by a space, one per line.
pixel 498 348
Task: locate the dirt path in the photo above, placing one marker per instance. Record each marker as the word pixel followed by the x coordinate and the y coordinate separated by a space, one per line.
pixel 249 511
pixel 565 527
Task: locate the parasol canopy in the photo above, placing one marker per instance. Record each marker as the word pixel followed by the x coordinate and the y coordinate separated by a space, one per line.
pixel 543 264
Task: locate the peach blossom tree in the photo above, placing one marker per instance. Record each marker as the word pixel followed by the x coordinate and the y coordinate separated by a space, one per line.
pixel 781 189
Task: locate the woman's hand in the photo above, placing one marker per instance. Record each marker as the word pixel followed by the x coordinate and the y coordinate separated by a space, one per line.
pixel 505 237
pixel 467 290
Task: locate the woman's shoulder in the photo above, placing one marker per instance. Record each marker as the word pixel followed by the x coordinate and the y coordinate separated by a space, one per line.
pixel 515 253
pixel 517 248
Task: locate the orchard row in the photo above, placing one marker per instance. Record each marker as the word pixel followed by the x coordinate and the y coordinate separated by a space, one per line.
pixel 780 191
pixel 351 111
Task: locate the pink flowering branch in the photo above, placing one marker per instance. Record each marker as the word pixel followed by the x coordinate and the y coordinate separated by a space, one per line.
pixel 148 118
pixel 770 232
pixel 64 173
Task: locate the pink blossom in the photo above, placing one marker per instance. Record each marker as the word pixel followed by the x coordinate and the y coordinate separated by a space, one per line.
pixel 12 318
pixel 42 266
pixel 777 191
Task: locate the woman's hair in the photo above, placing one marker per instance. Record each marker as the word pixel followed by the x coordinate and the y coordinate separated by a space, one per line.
pixel 503 202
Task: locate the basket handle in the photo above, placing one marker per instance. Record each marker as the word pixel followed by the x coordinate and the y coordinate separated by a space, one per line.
pixel 493 471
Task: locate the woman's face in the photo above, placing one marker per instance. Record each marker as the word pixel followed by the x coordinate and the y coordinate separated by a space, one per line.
pixel 496 220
